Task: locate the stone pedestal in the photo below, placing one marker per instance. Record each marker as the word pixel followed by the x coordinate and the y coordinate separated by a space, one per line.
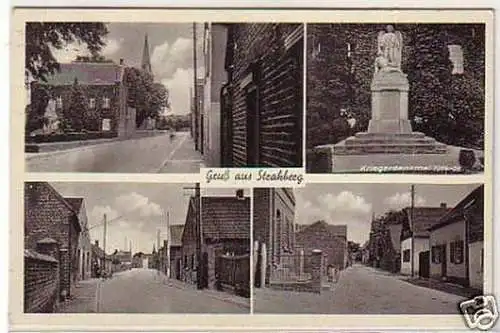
pixel 389 130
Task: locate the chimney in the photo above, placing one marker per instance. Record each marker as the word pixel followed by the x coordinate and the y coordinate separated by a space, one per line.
pixel 443 205
pixel 97 243
pixel 239 194
pixel 122 62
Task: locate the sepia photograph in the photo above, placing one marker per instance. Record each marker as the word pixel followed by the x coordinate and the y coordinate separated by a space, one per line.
pixel 135 248
pixel 367 248
pixel 398 98
pixel 162 98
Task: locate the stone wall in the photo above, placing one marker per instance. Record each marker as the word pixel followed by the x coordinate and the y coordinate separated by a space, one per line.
pixel 41 282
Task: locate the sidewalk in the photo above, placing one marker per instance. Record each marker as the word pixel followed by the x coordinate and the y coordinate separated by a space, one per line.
pixel 84 298
pixel 219 295
pixel 447 287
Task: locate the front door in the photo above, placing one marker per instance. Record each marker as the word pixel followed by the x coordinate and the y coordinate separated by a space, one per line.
pixel 423 264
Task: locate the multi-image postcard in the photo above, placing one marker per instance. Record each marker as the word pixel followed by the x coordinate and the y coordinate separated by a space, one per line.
pixel 251 169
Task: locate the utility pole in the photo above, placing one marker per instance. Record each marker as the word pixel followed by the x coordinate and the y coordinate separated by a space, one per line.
pixel 104 240
pixel 195 89
pixel 412 216
pixel 199 238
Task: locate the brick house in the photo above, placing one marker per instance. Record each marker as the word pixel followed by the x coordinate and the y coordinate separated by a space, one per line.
pixel 456 242
pixel 330 239
pixel 176 232
pixel 49 216
pixel 273 228
pixel 415 234
pixel 84 242
pixel 225 231
pixel 261 104
pixel 105 89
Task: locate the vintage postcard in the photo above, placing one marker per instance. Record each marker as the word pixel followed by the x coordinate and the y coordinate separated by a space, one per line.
pixel 251 169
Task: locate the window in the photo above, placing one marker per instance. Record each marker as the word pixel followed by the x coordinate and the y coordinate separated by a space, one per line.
pixel 436 255
pixel 91 103
pixel 406 256
pixel 59 102
pixel 105 102
pixel 457 252
pixel 457 58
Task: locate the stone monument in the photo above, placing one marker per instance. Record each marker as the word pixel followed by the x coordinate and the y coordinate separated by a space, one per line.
pixel 389 130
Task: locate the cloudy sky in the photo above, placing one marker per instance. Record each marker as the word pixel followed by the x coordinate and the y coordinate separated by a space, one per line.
pixel 353 204
pixel 134 211
pixel 171 52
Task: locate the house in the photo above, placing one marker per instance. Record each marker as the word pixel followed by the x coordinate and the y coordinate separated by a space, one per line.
pixel 262 103
pixel 273 229
pixel 225 230
pixel 137 260
pixel 84 242
pixel 50 218
pixel 415 237
pixel 456 242
pixel 105 92
pixel 176 232
pixel 330 239
pixel 365 253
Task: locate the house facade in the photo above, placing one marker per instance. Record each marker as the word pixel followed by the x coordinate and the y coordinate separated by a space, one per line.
pixel 105 95
pixel 84 243
pixel 49 216
pixel 415 238
pixel 456 242
pixel 330 239
pixel 273 227
pixel 176 232
pixel 261 104
pixel 225 231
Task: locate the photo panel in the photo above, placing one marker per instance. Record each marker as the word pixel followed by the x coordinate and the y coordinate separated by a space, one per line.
pixel 127 97
pixel 368 249
pixel 133 248
pixel 396 98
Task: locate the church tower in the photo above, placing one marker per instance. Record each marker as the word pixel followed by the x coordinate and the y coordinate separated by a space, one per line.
pixel 146 60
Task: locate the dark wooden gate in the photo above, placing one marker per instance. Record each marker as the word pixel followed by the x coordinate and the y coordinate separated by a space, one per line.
pixel 424 264
pixel 233 273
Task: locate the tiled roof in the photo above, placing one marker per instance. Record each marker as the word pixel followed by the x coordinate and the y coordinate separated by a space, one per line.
pixel 424 218
pixel 333 229
pixel 76 203
pixel 226 218
pixel 176 234
pixel 87 73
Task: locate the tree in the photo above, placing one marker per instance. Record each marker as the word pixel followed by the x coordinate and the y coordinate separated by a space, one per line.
pixel 35 112
pixel 76 109
pixel 42 37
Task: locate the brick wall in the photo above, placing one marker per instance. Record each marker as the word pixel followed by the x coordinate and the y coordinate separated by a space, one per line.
pixel 41 280
pixel 277 76
pixel 46 216
pixel 334 248
pixel 261 214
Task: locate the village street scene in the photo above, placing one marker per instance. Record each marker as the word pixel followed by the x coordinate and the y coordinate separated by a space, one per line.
pixel 404 98
pixel 162 98
pixel 135 248
pixel 367 248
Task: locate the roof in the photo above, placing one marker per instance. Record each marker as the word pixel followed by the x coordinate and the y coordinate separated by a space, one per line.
pixel 226 217
pixel 76 203
pixel 334 230
pixel 424 218
pixel 87 73
pixel 452 215
pixel 176 234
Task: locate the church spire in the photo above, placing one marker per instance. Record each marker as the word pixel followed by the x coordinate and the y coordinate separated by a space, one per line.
pixel 146 61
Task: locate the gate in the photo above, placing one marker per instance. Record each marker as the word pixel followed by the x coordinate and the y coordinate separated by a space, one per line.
pixel 424 264
pixel 233 273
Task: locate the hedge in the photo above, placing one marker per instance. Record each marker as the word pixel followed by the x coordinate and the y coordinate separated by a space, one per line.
pixel 65 137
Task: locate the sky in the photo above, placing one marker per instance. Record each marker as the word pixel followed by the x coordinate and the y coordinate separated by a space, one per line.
pixel 134 210
pixel 170 49
pixel 354 204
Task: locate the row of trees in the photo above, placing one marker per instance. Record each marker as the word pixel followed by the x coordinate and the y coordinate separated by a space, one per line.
pixel 449 107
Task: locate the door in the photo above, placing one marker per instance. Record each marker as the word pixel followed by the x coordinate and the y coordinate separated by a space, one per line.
pixel 444 260
pixel 253 127
pixel 424 264
pixel 178 269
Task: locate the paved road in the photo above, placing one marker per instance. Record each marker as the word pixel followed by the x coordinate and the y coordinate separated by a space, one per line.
pixel 144 291
pixel 157 154
pixel 360 290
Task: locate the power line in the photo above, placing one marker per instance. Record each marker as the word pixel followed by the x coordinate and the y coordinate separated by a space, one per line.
pixel 116 218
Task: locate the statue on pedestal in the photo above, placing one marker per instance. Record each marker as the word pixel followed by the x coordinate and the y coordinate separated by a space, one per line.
pixel 390 44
